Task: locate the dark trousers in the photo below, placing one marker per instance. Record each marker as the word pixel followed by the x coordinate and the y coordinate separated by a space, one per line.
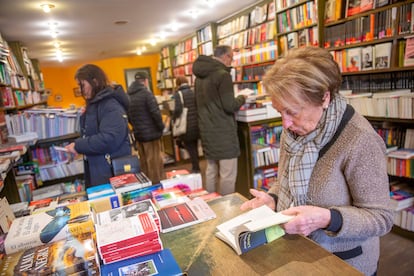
pixel 191 147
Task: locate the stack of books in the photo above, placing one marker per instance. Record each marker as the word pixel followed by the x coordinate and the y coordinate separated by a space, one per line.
pixel 129 182
pixel 72 256
pixel 127 238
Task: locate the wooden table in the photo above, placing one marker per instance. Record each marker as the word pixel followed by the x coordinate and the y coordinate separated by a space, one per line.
pixel 199 252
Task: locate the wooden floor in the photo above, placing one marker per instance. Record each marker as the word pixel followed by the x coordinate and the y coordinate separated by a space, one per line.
pixel 397 251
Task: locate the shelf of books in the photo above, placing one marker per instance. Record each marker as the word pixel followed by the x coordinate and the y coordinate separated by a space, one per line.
pixel 259 147
pixel 297 24
pixel 166 78
pixel 185 53
pixel 206 39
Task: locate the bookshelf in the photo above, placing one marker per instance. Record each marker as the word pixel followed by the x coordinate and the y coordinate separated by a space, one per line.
pixel 166 78
pixel 376 38
pixel 257 163
pixel 185 53
pixel 206 39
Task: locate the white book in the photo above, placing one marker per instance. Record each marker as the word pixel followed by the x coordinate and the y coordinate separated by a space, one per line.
pixel 252 229
pixel 367 63
pixel 383 55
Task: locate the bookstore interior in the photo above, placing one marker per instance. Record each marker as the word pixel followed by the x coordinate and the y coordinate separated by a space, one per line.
pixel 49 222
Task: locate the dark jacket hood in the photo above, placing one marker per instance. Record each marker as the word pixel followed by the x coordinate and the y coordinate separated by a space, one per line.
pixel 135 87
pixel 205 65
pixel 116 92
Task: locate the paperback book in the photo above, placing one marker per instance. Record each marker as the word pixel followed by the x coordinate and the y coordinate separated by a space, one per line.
pixel 128 182
pixel 126 211
pixel 185 214
pixel 252 229
pixel 129 237
pixel 65 257
pixel 63 222
pixel 160 263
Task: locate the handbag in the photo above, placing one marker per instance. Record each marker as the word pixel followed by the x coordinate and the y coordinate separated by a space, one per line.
pixel 124 164
pixel 180 123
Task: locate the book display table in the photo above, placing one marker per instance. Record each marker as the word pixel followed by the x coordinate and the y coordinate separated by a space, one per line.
pixel 199 252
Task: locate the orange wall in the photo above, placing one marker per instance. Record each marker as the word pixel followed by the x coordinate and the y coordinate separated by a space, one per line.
pixel 60 80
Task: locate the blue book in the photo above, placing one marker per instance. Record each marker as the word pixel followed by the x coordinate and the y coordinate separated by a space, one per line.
pixel 160 263
pixel 99 191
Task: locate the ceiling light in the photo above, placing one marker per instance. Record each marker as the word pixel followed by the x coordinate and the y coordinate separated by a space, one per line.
pixel 47 7
pixel 211 3
pixel 56 44
pixel 52 25
pixel 194 13
pixel 144 48
pixel 174 26
pixel 153 42
pixel 139 52
pixel 53 34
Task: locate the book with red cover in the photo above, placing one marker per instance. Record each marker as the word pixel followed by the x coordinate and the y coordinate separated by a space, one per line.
pixel 126 231
pixel 131 247
pixel 185 214
pixel 126 254
pixel 125 182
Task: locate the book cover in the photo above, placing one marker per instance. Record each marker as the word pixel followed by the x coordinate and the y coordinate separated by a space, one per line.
pixel 125 182
pixel 383 55
pixel 185 182
pixel 125 232
pixel 60 223
pixel 185 214
pixel 160 263
pixel 352 7
pixel 252 229
pixel 140 194
pixel 98 191
pixel 168 197
pixel 367 63
pixel 126 211
pixel 353 59
pixel 409 52
pixel 64 257
pixel 6 215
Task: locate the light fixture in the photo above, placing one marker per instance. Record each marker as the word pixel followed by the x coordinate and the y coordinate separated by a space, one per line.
pixel 174 26
pixel 56 44
pixel 52 25
pixel 47 7
pixel 54 34
pixel 194 13
pixel 153 42
pixel 139 52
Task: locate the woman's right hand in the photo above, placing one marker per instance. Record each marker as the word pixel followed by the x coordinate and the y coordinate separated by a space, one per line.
pixel 260 198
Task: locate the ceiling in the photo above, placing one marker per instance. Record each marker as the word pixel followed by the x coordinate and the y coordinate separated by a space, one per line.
pixel 86 28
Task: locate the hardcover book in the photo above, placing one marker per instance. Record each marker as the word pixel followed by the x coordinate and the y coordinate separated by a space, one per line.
pixel 60 223
pixel 64 257
pixel 160 263
pixel 185 214
pixel 252 229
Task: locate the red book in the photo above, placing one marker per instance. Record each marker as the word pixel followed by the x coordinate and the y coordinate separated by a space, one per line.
pixel 128 255
pixel 125 182
pixel 126 231
pixel 132 247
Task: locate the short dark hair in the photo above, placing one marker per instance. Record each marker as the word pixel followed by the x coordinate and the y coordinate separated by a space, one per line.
pixel 222 50
pixel 94 75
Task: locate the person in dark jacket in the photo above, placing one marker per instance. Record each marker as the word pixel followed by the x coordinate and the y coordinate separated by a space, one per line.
pixel 191 136
pixel 145 117
pixel 216 107
pixel 104 124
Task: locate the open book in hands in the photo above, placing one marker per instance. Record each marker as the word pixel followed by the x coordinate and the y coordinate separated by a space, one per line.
pixel 252 229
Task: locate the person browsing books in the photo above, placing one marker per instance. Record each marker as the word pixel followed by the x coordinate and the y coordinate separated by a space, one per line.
pixel 103 124
pixel 216 107
pixel 190 138
pixel 332 169
pixel 145 117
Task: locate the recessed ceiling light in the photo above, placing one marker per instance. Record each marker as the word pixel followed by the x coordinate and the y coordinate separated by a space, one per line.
pixel 47 7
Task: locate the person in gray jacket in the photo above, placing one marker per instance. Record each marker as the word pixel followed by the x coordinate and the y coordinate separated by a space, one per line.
pixel 216 106
pixel 332 173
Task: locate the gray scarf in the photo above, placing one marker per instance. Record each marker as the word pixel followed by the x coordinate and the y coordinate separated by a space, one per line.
pixel 302 152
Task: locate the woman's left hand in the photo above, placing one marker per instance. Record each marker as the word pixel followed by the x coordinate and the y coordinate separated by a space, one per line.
pixel 307 219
